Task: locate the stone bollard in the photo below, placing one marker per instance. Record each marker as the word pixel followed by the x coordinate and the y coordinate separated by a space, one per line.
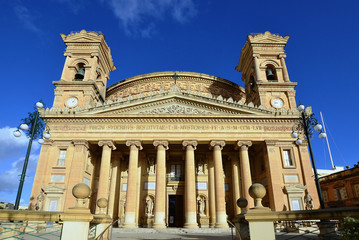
pixel 260 218
pixel 77 219
pixel 102 220
pixel 240 221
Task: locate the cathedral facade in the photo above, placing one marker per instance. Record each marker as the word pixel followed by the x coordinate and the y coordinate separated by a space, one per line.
pixel 172 149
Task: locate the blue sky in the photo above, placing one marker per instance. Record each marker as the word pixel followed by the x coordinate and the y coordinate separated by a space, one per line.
pixel 189 35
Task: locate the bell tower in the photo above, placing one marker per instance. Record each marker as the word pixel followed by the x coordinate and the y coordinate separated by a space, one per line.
pixel 264 72
pixel 86 71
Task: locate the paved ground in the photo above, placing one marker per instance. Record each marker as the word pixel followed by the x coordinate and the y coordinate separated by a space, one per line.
pixel 172 233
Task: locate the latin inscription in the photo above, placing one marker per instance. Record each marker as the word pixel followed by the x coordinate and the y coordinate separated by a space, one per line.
pixel 167 127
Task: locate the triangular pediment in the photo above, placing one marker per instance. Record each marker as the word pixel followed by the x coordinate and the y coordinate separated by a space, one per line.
pixel 177 103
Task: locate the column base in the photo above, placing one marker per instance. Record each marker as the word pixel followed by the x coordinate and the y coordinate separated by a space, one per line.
pixel 129 225
pixel 190 225
pixel 159 225
pixel 221 225
pixel 221 220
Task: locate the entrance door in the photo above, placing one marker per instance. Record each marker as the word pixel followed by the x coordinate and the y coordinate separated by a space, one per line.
pixel 175 211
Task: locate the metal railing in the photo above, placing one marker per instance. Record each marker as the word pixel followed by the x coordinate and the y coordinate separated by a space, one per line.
pixel 231 225
pixel 30 230
pixel 100 236
pixel 307 230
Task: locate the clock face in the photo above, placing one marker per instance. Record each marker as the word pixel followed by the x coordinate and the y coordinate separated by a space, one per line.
pixel 277 103
pixel 72 102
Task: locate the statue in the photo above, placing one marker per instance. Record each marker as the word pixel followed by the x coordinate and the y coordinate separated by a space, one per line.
pixel 39 201
pixel 308 201
pixel 149 206
pixel 200 166
pixel 151 165
pixel 201 206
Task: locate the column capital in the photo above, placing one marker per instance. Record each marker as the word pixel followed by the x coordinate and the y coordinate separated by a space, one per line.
pixel 271 143
pixel 282 55
pixel 136 143
pixel 109 143
pixel 78 142
pixel 220 143
pixel 241 144
pixel 164 143
pixel 256 55
pixel 193 143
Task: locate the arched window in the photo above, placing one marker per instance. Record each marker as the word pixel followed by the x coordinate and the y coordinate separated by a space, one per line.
pixel 79 76
pixel 271 73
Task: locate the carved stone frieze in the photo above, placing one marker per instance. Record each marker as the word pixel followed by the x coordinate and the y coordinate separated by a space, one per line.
pixel 175 109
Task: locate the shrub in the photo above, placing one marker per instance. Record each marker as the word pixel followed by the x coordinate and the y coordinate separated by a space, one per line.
pixel 350 229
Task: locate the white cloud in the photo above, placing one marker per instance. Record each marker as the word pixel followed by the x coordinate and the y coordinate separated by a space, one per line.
pixel 11 146
pixel 138 17
pixel 26 18
pixel 10 179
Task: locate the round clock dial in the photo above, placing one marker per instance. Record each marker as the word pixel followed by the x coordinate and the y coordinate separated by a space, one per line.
pixel 72 102
pixel 277 103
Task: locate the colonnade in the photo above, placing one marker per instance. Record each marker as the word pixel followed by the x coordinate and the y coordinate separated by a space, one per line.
pixel 216 192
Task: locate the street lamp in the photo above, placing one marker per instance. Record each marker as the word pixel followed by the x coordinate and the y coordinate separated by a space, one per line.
pixel 33 126
pixel 305 126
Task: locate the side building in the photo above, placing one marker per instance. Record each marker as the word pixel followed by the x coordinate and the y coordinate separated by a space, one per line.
pixel 172 149
pixel 341 189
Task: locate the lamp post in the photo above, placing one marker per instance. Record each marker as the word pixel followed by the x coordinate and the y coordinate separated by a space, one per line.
pixel 305 126
pixel 33 126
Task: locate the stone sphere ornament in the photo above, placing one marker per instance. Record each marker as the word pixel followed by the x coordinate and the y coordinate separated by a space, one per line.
pixel 102 204
pixel 242 203
pixel 257 191
pixel 81 191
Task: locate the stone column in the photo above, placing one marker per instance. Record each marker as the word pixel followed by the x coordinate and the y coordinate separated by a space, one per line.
pixel 77 169
pixel 114 184
pixel 130 209
pixel 104 181
pixel 190 185
pixel 212 194
pixel 284 68
pixel 160 198
pixel 235 184
pixel 245 170
pixel 256 66
pixel 221 216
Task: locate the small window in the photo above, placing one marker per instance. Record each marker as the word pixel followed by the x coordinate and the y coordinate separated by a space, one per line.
pixel 288 161
pixel 57 178
pixel 176 172
pixel 325 196
pixel 340 194
pixel 87 181
pixel 53 205
pixel 356 189
pixel 61 160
